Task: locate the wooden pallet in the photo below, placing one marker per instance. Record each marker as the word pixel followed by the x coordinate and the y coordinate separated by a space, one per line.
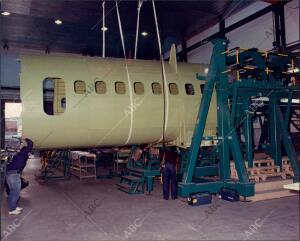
pixel 233 171
pixel 271 190
pixel 286 167
pixel 263 163
pixel 288 170
pixel 292 186
pixel 285 161
pixel 262 170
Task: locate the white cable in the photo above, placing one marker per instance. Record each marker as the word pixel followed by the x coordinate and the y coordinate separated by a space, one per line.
pixel 165 83
pixel 103 29
pixel 140 3
pixel 128 76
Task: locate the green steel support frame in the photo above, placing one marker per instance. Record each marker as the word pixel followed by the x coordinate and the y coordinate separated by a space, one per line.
pixel 262 84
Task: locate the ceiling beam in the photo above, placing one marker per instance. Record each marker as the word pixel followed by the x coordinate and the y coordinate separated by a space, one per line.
pixel 230 28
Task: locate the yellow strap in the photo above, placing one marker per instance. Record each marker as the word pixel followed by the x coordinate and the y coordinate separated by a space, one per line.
pixel 293 65
pixel 285 55
pixel 226 71
pixel 225 52
pixel 249 67
pixel 237 55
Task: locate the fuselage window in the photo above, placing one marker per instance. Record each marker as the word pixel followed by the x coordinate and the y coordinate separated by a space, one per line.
pixel 138 88
pixel 173 89
pixel 189 89
pixel 79 87
pixel 120 88
pixel 156 88
pixel 100 87
pixel 63 103
pixel 54 96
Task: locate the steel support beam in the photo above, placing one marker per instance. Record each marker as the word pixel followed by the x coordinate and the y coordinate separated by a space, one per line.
pixel 275 134
pixel 222 28
pixel 2 123
pixel 288 144
pixel 183 57
pixel 1 106
pixel 213 74
pixel 248 134
pixel 280 40
pixel 229 29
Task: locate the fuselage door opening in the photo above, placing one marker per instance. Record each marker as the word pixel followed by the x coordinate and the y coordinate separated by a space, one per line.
pixel 54 96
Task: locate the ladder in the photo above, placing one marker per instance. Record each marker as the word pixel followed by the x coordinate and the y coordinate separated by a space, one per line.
pixel 133 183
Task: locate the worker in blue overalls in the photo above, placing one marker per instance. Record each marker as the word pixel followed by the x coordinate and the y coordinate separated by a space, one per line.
pixel 170 159
pixel 13 175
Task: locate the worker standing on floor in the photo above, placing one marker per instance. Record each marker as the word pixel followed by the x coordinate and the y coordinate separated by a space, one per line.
pixel 170 159
pixel 13 174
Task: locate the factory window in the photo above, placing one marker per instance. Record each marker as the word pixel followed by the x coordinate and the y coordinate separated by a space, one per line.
pixel 156 88
pixel 54 96
pixel 120 88
pixel 189 89
pixel 202 88
pixel 79 87
pixel 100 87
pixel 139 88
pixel 173 89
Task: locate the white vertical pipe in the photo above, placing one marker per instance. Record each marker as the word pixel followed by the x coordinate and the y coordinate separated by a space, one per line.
pixel 103 29
pixel 140 2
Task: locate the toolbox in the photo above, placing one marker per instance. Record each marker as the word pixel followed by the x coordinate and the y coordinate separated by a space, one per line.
pixel 197 199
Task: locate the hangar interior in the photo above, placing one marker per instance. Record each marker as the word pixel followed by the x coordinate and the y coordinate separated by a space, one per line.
pixel 123 99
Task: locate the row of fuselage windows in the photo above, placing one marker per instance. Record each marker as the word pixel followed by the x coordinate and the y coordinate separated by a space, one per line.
pixel 120 88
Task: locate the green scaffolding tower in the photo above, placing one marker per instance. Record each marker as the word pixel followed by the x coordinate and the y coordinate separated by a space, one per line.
pixel 258 75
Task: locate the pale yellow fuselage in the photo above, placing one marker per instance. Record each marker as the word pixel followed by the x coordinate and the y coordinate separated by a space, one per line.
pixel 110 119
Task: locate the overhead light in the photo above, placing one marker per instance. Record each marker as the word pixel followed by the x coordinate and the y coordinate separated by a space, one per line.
pixel 104 28
pixel 144 34
pixel 5 13
pixel 295 70
pixel 58 22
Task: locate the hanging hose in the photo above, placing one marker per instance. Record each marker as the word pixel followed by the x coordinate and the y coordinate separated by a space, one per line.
pixel 140 3
pixel 164 82
pixel 128 76
pixel 103 29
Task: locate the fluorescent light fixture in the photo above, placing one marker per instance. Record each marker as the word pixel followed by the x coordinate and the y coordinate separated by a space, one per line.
pixel 261 99
pixel 294 101
pixel 58 22
pixel 5 13
pixel 104 28
pixel 144 34
pixel 296 70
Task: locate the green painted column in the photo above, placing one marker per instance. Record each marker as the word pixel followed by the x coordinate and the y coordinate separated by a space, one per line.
pixel 248 133
pixel 223 144
pixel 288 145
pixel 275 133
pixel 213 76
pixel 223 126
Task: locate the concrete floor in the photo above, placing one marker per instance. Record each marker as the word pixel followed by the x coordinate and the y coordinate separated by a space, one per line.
pixel 96 210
